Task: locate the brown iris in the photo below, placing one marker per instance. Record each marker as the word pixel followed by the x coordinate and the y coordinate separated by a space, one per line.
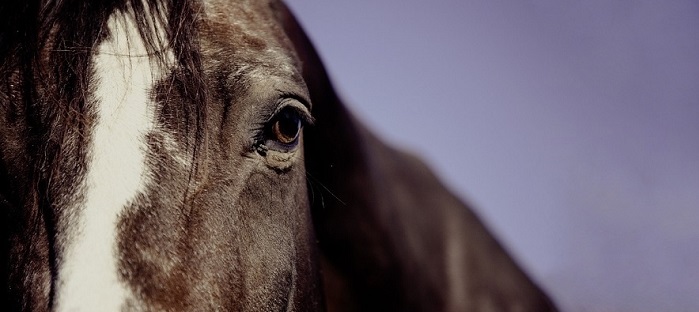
pixel 286 127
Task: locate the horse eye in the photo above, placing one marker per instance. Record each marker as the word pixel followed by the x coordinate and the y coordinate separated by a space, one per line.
pixel 286 126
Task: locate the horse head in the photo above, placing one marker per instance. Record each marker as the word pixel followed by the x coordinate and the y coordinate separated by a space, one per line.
pixel 186 155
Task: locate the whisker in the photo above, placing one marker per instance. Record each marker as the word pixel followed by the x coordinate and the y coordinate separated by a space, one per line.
pixel 309 175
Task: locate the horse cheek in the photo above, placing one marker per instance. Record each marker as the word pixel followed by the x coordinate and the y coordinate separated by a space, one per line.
pixel 277 253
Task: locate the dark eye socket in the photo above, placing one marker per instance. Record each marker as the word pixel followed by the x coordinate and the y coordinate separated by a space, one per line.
pixel 286 126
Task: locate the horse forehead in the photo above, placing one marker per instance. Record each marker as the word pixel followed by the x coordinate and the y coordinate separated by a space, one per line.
pixel 247 14
pixel 245 32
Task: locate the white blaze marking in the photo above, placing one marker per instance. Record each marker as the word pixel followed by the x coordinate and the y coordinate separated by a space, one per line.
pixel 116 172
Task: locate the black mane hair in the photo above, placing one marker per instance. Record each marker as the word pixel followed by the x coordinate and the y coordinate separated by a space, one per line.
pixel 68 31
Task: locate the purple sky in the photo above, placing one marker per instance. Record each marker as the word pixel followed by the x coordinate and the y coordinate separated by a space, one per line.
pixel 573 128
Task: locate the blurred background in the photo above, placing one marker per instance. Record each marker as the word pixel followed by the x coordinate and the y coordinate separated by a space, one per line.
pixel 572 127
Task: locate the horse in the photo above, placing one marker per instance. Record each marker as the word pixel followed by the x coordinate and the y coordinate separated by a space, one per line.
pixel 193 155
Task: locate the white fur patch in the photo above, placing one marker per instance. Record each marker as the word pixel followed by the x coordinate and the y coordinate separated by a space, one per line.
pixel 88 273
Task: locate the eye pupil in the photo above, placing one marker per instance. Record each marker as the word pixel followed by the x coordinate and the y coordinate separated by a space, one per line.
pixel 287 127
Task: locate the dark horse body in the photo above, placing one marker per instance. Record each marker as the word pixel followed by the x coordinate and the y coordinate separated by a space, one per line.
pixel 152 158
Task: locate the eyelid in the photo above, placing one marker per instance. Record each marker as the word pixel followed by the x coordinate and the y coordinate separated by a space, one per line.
pixel 298 106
